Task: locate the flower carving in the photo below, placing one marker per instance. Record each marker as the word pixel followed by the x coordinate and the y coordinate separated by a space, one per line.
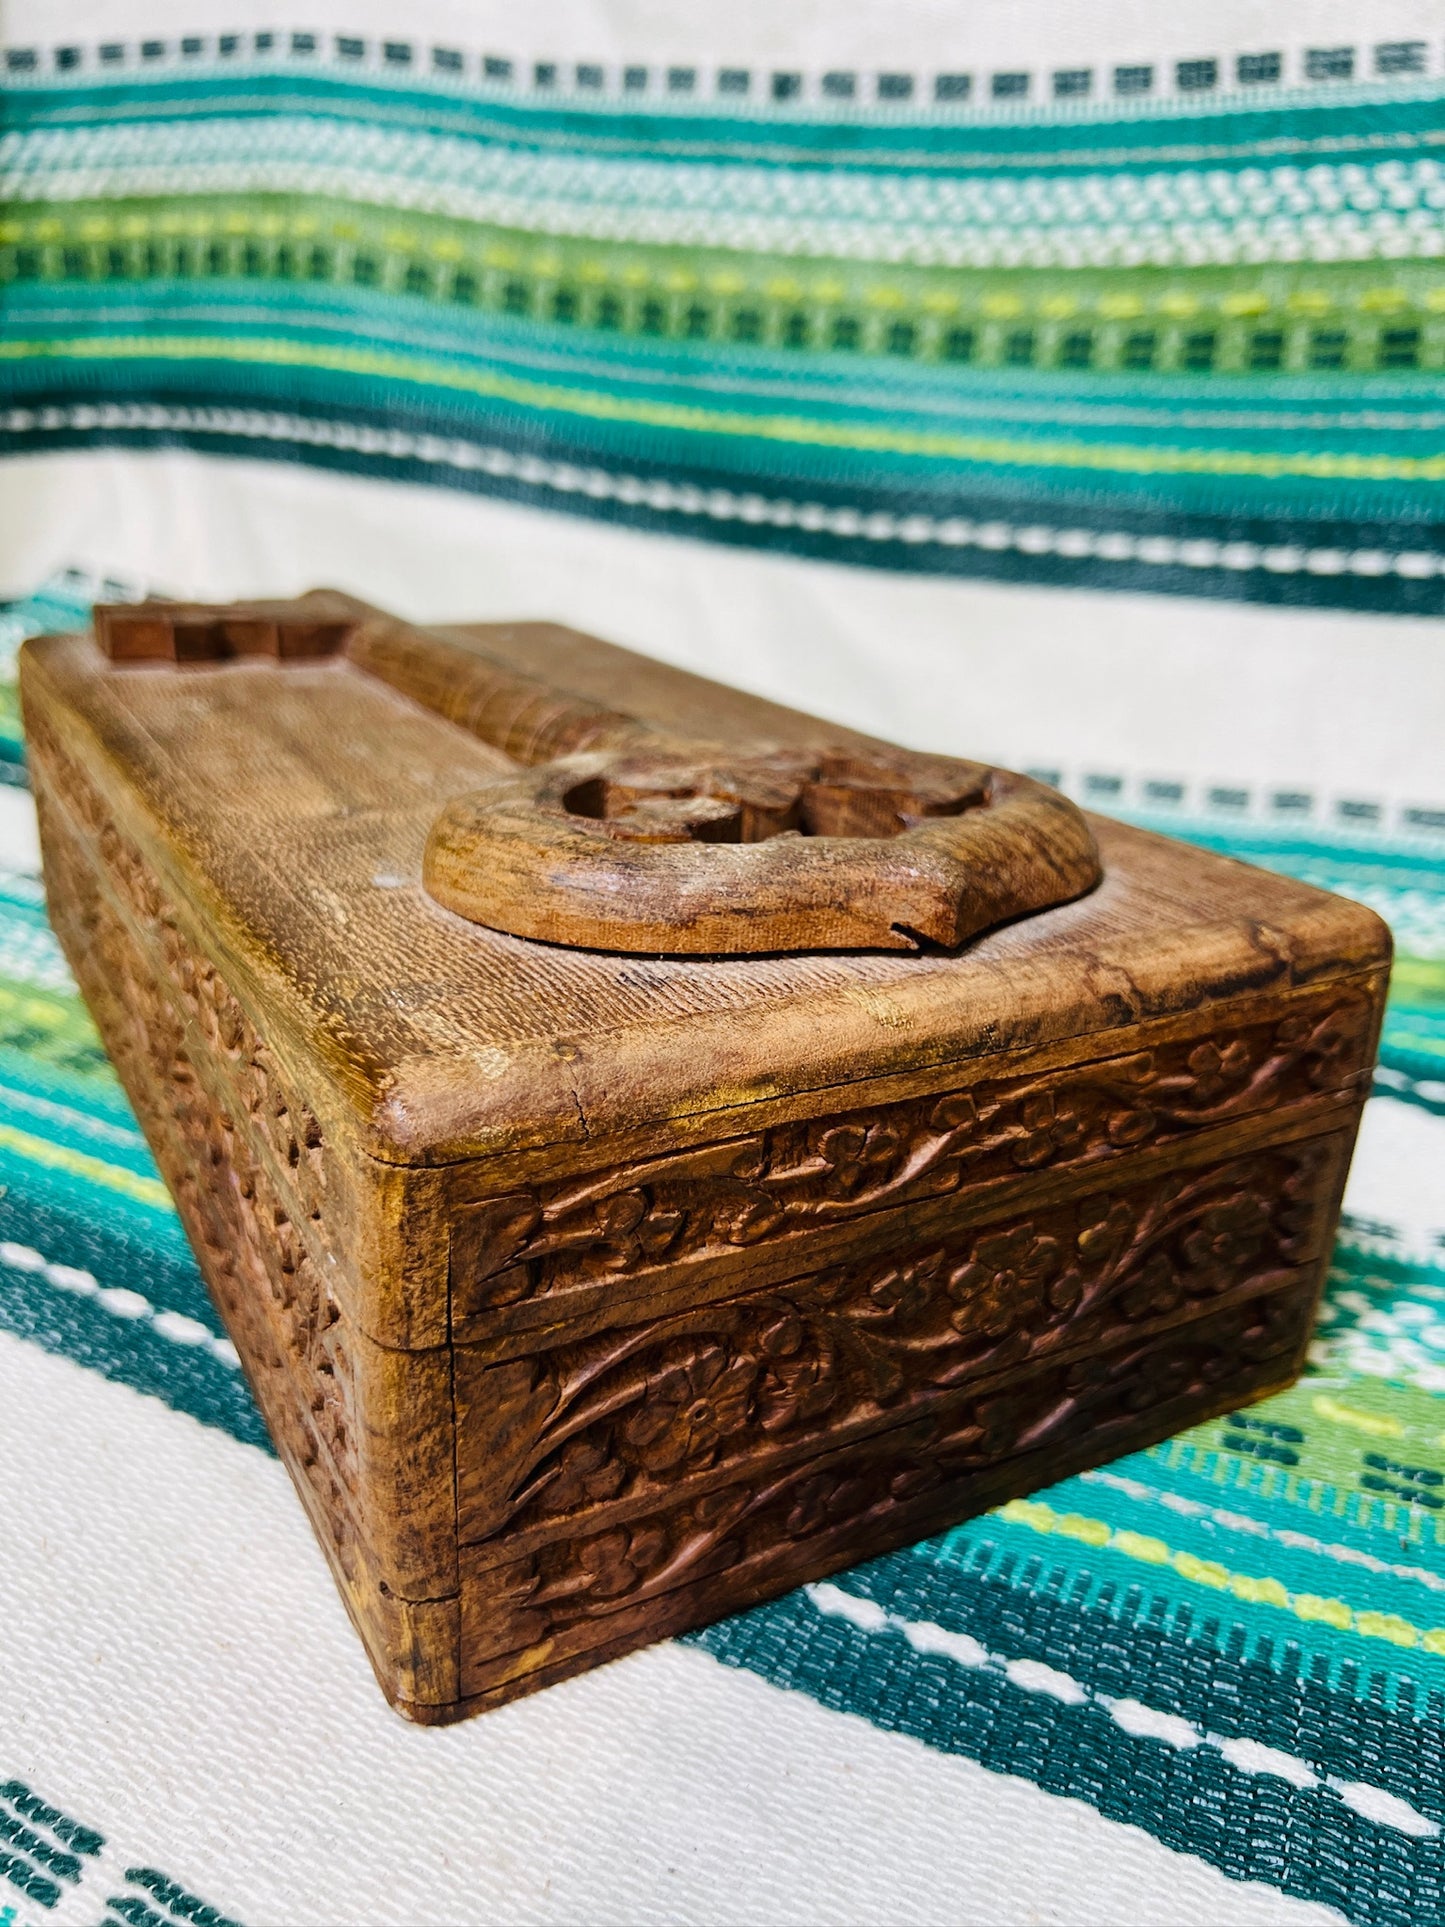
pixel 798 1380
pixel 1169 1375
pixel 505 1617
pixel 795 1389
pixel 1045 1131
pixel 586 1472
pixel 1329 1047
pixel 617 1219
pixel 1128 1128
pixel 1294 1220
pixel 659 1230
pixel 743 1216
pixel 903 1291
pixel 957 1112
pixel 821 1501
pixel 991 1428
pixel 1333 1049
pixel 612 1563
pixel 623 1229
pixel 696 1397
pixel 753 1160
pixel 858 1153
pixel 1006 1284
pixel 1213 1069
pixel 1227 1237
pixel 1155 1291
pixel 1103 1241
pixel 1267 1329
pixel 912 1480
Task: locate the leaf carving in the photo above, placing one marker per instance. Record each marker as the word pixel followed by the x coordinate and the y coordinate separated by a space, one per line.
pixel 486 1237
pixel 689 1207
pixel 894 1337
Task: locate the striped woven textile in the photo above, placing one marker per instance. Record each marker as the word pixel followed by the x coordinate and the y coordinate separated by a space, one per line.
pixel 1050 388
pixel 1168 324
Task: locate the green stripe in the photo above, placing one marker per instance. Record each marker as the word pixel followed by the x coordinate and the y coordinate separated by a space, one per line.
pixel 277 351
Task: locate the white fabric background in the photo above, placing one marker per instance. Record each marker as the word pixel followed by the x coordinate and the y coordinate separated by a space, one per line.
pixel 179 1671
pixel 922 36
pixel 175 1666
pixel 1338 703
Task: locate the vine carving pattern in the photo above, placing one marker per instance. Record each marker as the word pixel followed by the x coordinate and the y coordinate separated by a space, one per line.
pixel 283 1121
pixel 578 1591
pixel 274 1297
pixel 859 1346
pixel 700 1205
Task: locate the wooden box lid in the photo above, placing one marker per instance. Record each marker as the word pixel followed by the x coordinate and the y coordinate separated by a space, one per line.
pixel 287 797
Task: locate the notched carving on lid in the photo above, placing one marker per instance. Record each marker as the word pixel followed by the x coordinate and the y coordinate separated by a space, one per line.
pixel 626 837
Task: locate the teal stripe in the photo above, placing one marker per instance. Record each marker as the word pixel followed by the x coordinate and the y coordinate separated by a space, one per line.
pixel 1343 125
pixel 1221 1619
pixel 653 199
pixel 1058 491
pixel 1415 866
pixel 129 1350
pixel 63 1190
pixel 95 1093
pixel 42 1112
pixel 1252 1826
pixel 1403 418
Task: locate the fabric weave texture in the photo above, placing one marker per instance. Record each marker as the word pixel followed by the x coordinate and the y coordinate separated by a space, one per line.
pixel 1158 324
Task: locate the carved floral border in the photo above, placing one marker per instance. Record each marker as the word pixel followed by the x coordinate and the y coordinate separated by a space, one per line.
pixel 701 1205
pixel 553 1437
pixel 612 1584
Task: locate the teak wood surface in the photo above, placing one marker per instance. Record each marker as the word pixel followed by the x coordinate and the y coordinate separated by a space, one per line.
pixel 592 1292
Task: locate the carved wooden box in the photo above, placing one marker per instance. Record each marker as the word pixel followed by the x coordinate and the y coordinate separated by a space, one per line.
pixel 633 1185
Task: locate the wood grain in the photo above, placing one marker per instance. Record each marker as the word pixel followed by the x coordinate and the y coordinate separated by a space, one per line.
pixel 630 837
pixel 588 1296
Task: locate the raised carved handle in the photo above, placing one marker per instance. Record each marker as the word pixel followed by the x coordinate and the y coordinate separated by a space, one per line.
pixel 594 851
pixel 622 836
pixel 627 837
